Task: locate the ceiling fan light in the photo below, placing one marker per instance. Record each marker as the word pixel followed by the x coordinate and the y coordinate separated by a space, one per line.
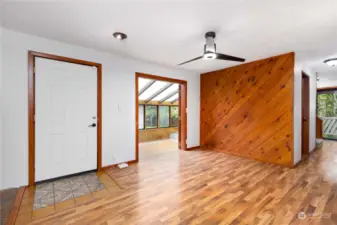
pixel 209 56
pixel 331 62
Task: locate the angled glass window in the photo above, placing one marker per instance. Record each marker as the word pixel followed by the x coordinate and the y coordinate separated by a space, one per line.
pixel 151 117
pixel 142 82
pixel 141 117
pixel 152 89
pixel 165 93
pixel 173 98
pixel 164 116
pixel 174 116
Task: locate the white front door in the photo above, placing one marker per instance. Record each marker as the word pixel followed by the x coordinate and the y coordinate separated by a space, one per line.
pixel 65 107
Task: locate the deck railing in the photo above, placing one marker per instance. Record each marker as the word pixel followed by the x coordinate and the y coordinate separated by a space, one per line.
pixel 329 126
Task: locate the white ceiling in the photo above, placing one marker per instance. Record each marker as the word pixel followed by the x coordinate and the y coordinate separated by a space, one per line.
pixel 327 76
pixel 168 32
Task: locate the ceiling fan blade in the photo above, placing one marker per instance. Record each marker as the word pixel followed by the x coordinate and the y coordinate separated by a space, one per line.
pixel 228 57
pixel 190 60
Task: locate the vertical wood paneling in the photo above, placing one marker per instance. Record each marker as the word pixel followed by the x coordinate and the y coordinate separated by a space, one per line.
pixel 247 110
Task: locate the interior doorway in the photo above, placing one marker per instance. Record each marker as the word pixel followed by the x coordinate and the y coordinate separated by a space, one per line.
pixel 305 113
pixel 160 115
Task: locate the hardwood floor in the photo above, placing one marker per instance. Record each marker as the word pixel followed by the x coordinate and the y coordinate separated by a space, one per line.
pixel 7 198
pixel 153 148
pixel 206 187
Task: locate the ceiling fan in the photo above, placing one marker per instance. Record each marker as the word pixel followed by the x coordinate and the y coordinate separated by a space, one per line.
pixel 210 51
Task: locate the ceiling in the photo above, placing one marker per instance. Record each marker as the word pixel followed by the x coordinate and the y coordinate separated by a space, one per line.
pixel 327 76
pixel 169 32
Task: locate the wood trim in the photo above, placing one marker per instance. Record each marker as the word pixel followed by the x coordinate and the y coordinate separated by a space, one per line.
pixel 327 88
pixel 156 77
pixel 64 59
pixel 183 106
pixel 31 107
pixel 99 117
pixel 319 127
pixel 305 116
pixel 16 206
pixel 179 118
pixel 114 165
pixel 31 124
pixel 193 148
pixel 182 109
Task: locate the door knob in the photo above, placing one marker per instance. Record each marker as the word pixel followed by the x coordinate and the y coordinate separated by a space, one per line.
pixel 92 125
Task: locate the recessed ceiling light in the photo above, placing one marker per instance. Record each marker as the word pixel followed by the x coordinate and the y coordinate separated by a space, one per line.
pixel 120 35
pixel 331 62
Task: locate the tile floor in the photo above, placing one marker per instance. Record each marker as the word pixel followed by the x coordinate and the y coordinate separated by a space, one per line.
pixel 53 192
pixel 27 213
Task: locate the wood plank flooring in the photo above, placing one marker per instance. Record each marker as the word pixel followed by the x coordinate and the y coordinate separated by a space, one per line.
pixel 206 187
pixel 7 198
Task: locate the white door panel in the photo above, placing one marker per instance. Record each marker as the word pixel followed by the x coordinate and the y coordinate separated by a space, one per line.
pixel 65 106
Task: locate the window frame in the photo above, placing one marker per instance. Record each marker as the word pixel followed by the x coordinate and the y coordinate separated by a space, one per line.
pixel 143 116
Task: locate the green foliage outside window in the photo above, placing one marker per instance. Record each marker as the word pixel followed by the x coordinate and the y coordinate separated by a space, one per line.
pixel 327 111
pixel 174 116
pixel 151 120
pixel 327 104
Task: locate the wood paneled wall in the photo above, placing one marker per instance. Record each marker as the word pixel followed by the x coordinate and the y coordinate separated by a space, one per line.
pixel 247 110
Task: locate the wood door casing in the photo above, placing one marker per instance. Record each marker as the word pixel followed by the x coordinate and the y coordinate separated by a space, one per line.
pixel 305 113
pixel 247 110
pixel 31 107
pixel 182 109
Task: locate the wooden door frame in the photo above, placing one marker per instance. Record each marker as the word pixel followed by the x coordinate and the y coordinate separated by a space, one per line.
pixel 182 108
pixel 31 107
pixel 307 78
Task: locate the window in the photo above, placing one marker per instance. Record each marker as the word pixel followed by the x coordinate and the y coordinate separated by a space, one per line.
pixel 141 117
pixel 164 116
pixel 174 116
pixel 327 112
pixel 151 117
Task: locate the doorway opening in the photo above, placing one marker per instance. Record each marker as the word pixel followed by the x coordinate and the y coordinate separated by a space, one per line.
pixel 305 113
pixel 160 115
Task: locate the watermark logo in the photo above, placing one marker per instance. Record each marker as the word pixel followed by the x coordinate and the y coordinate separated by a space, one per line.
pixel 303 215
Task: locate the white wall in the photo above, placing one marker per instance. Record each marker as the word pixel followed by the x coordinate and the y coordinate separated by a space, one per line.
pixel 328 79
pixel 298 111
pixel 118 144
